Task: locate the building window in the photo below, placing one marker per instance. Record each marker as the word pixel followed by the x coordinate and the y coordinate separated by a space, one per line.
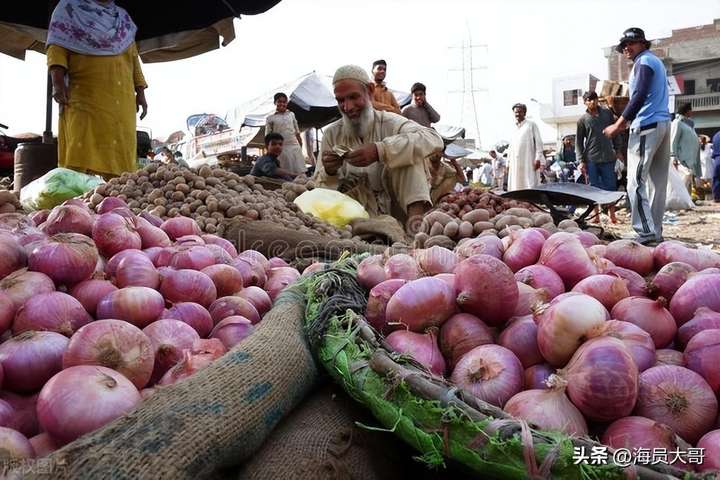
pixel 713 84
pixel 571 97
pixel 689 87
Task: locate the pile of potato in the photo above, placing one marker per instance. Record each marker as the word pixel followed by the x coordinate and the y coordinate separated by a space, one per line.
pixel 209 196
pixel 300 185
pixel 459 203
pixel 9 202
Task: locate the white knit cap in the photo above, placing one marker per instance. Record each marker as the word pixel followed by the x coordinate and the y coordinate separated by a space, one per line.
pixel 351 72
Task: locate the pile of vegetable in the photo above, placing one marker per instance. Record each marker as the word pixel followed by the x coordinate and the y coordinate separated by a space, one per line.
pixel 207 195
pixel 617 341
pixel 97 309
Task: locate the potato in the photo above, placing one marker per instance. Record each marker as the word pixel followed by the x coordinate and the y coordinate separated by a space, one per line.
pixel 541 218
pixel 437 216
pixel 550 227
pixel 465 230
pixel 440 241
pixel 205 171
pixel 420 239
pixel 436 229
pixel 507 230
pixel 477 215
pixel 505 220
pixel 567 223
pixel 573 229
pixel 525 222
pixel 480 227
pixel 519 212
pixel 451 229
pixel 491 232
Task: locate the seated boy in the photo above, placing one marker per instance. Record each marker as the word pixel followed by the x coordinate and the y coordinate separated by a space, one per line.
pixel 268 165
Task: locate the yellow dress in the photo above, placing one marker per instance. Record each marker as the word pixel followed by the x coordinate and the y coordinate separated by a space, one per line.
pixel 97 127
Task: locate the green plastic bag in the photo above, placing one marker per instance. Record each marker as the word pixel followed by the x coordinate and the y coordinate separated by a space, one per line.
pixel 334 207
pixel 55 187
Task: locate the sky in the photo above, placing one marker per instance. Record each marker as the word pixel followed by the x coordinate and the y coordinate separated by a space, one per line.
pixel 521 46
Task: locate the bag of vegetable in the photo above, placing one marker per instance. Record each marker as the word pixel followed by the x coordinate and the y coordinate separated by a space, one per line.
pixel 55 187
pixel 330 205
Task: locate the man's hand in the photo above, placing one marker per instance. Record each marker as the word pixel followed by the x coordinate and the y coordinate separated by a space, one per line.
pixel 60 94
pixel 363 156
pixel 141 102
pixel 536 165
pixel 583 169
pixel 331 162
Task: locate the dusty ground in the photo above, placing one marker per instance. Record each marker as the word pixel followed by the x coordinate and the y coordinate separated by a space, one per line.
pixel 699 227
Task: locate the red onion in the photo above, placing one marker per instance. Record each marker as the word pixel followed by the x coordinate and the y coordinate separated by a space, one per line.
pixel 220 255
pixel 277 262
pixel 186 367
pixel 90 292
pixel 113 233
pixel 436 260
pixel 607 289
pixel 209 346
pixel 638 342
pixel 520 337
pixel 587 239
pixel 636 284
pixel 114 262
pixel 154 220
pixel 673 251
pixel 490 372
pixel 169 338
pixel 258 297
pixel 529 299
pixel 640 432
pixel 378 299
pixel 650 315
pixel 257 257
pixel 63 405
pixel 564 325
pixel 227 279
pixel 162 258
pixel 679 398
pixel 193 258
pixel 24 414
pixel 422 347
pixel 486 288
pixel 709 271
pixel 524 249
pixel 39 217
pixel 448 278
pixel 179 226
pixel 422 303
pixel 152 253
pixel 67 258
pixel 54 312
pixel 137 305
pixel 602 379
pixel 564 253
pixel 596 251
pixel 710 444
pixel 489 245
pixel 402 266
pixel 315 267
pixel 15 446
pixel 23 285
pixel 233 306
pixel 698 291
pixel 540 276
pixel 7 414
pixel 124 212
pixel 252 271
pixel 461 333
pixel 225 244
pixel 232 330
pixel 536 376
pixel 602 264
pixel 704 319
pixel 68 219
pixel 114 344
pixel 631 255
pixel 12 256
pixel 137 271
pixel 547 410
pixel 43 445
pixel 669 279
pixel 7 312
pixel 110 203
pixel 193 314
pixel 667 356
pixel 188 286
pixel 371 271
pixel 150 235
pixel 190 241
pixel 702 356
pixel 278 279
pixel 30 359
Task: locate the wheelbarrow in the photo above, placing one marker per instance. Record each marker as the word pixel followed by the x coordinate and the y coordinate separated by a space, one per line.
pixel 555 198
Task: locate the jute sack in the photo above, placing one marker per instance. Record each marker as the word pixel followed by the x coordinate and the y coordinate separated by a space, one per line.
pixel 219 416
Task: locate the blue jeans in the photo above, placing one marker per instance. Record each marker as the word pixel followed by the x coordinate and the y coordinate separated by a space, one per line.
pixel 602 175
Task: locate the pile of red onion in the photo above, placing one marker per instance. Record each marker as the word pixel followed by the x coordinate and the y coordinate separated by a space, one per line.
pixel 97 307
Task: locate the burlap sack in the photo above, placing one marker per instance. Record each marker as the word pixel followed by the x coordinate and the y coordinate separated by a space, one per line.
pixel 219 416
pixel 383 228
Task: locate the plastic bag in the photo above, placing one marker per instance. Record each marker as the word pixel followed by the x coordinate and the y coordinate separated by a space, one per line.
pixel 678 197
pixel 334 207
pixel 55 187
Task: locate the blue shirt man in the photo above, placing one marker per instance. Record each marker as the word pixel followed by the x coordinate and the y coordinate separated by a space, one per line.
pixel 716 172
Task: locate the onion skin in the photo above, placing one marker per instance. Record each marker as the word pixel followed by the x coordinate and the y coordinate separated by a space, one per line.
pixel 189 365
pixel 12 256
pixel 666 356
pixel 221 256
pixel 256 257
pixel 702 356
pixel 233 306
pixel 631 255
pixel 68 258
pixel 252 270
pixel 108 204
pixel 14 445
pixel 669 279
pixel 193 257
pixel 68 219
pixel 90 292
pixel 448 278
pixel 674 251
pixel 232 330
pixel 150 235
pixel 188 286
pixel 24 418
pixel 81 399
pixel 422 347
pixel 524 250
pixel 137 271
pixel 648 314
pixel 490 372
pixel 536 376
pixel 436 260
pixel 113 233
pixel 679 398
pixel 529 299
pixel 279 279
pixel 638 342
pixel 169 338
pixel 378 299
pixel 486 288
pixel 227 279
pixel 607 289
pixel 112 264
pixel 704 319
pixel 114 344
pixel 710 443
pixel 588 239
pixel 564 253
pixel 422 303
pixel 540 276
pixel 193 314
pixel 30 359
pixel 488 245
pixel 53 312
pixel 154 220
pixel 698 291
pixel 137 305
pixel 461 333
pixel 640 432
pixel 43 445
pixel 520 337
pixel 39 217
pixel 547 410
pixel 636 285
pixel 402 266
pixel 225 244
pixel 564 325
pixel 602 380
pixel 177 227
pixel 7 312
pixel 258 297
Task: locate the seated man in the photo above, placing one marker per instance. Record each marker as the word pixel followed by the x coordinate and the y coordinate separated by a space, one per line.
pixel 268 165
pixel 376 157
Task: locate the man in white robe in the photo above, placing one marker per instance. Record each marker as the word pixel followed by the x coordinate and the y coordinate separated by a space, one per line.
pixel 525 155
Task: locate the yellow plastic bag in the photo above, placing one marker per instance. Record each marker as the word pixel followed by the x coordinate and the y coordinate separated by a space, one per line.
pixel 334 207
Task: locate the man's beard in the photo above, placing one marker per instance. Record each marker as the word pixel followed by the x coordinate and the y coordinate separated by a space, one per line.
pixel 359 127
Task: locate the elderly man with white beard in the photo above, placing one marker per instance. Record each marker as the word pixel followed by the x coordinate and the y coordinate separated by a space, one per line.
pixel 376 157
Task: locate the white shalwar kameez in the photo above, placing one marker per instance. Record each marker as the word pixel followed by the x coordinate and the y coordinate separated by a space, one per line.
pixel 526 147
